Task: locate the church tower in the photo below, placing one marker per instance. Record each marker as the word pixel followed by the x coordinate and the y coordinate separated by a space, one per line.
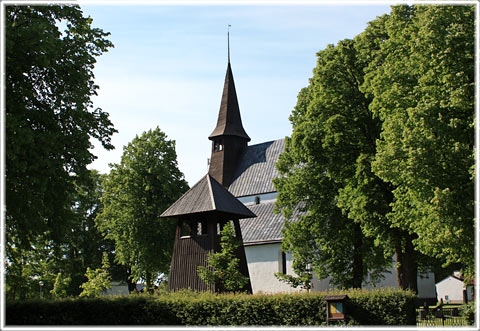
pixel 229 139
pixel 204 210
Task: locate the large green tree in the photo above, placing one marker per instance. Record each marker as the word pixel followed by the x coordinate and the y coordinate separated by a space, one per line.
pixel 84 245
pixel 136 191
pixel 326 170
pixel 50 119
pixel 384 134
pixel 423 92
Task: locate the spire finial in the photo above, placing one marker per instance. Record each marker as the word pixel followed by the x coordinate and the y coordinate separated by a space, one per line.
pixel 228 42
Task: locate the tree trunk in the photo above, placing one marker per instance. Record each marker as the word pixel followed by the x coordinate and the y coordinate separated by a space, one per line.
pixel 411 264
pixel 407 265
pixel 131 284
pixel 357 272
pixel 148 279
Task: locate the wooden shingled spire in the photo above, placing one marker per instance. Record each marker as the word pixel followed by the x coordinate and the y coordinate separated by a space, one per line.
pixel 229 138
pixel 229 122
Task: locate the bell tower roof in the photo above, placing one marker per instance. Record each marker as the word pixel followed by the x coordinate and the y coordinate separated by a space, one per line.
pixel 208 196
pixel 229 122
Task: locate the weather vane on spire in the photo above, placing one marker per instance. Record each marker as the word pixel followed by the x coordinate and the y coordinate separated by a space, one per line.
pixel 228 42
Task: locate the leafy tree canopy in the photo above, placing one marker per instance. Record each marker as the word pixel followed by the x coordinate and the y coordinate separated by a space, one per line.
pixel 383 137
pixel 423 92
pixel 326 172
pixel 82 246
pixel 49 115
pixel 136 192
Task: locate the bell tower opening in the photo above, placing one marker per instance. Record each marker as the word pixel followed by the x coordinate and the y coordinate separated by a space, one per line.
pixel 217 146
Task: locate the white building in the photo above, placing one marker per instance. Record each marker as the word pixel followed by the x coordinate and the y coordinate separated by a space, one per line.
pixel 454 290
pixel 117 288
pixel 262 236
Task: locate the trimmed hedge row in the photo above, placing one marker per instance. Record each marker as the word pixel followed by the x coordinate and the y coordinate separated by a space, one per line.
pixel 377 307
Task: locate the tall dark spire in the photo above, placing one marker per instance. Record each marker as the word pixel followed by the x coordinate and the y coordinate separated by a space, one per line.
pixel 229 139
pixel 229 122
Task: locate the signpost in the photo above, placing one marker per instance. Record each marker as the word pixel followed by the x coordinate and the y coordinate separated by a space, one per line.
pixel 336 308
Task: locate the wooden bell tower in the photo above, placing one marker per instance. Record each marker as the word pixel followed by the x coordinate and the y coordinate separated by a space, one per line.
pixel 204 209
pixel 201 213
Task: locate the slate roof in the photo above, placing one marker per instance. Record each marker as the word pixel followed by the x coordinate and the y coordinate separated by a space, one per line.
pixel 266 227
pixel 229 122
pixel 256 169
pixel 207 195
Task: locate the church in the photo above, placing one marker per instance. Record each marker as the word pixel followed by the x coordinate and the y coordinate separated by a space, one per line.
pixel 245 173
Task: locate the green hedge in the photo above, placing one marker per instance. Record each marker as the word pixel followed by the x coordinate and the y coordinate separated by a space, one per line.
pixel 377 307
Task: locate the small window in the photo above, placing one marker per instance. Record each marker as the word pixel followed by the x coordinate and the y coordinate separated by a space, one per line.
pixel 217 146
pixel 201 228
pixel 282 262
pixel 221 225
pixel 186 229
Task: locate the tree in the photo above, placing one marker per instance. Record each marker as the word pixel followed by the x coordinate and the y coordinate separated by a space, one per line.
pixel 136 192
pixel 384 133
pixel 325 172
pixel 303 278
pixel 84 245
pixel 423 92
pixel 61 286
pixel 223 267
pixel 98 280
pixel 49 116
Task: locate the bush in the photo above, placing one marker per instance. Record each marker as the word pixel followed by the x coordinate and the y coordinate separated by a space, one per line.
pixel 377 307
pixel 468 312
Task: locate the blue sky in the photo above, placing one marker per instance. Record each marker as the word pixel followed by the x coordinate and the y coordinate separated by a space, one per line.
pixel 168 67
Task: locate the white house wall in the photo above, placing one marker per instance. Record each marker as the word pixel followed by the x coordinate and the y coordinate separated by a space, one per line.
pixel 425 282
pixel 263 262
pixel 451 290
pixel 116 290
